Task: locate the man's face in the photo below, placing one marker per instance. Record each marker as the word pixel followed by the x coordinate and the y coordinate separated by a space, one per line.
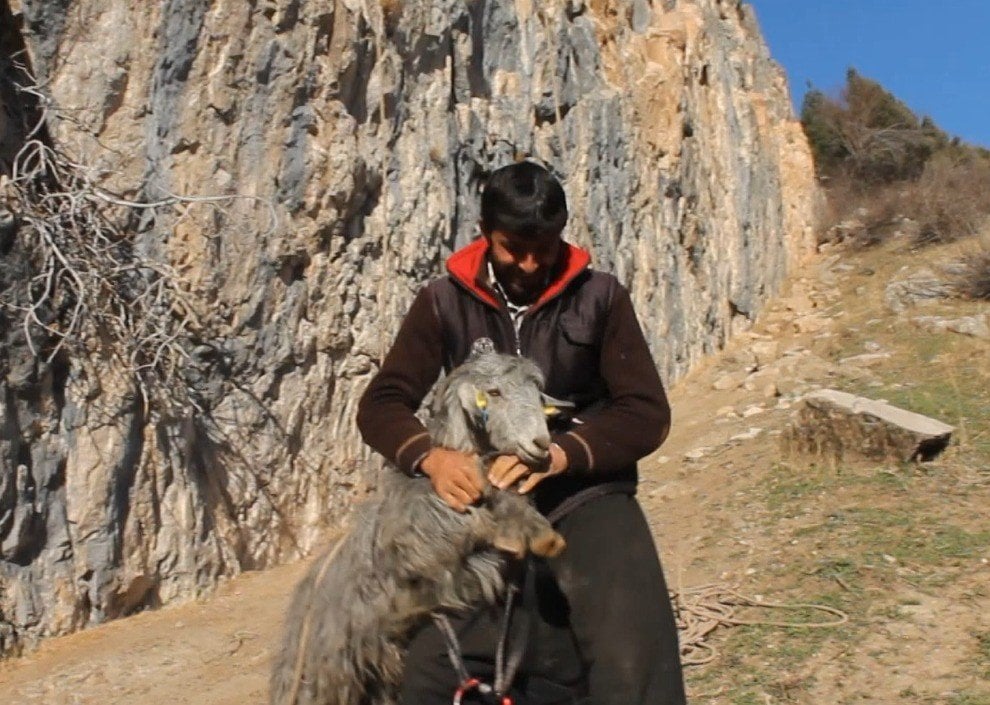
pixel 523 265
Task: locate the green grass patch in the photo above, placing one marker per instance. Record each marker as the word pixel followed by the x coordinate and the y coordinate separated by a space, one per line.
pixel 969 698
pixel 899 522
pixel 867 537
pixel 944 376
pixel 787 483
pixel 983 654
pixel 761 660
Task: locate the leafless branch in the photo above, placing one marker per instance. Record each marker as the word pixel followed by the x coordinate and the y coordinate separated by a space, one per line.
pixel 91 287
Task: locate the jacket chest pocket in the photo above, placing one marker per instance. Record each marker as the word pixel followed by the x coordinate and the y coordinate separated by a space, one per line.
pixel 578 331
pixel 578 346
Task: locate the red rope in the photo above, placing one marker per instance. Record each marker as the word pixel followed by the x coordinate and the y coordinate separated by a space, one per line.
pixel 464 688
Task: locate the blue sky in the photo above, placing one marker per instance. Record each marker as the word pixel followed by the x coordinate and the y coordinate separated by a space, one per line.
pixel 933 56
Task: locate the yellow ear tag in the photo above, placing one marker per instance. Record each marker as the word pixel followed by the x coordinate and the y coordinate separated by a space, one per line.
pixel 481 400
pixel 550 410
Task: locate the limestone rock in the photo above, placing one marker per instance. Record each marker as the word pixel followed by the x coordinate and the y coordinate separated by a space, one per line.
pixel 838 424
pixel 766 352
pixel 974 326
pixel 730 380
pixel 753 410
pixel 918 287
pixel 812 323
pixel 864 359
pixel 748 435
pixel 851 229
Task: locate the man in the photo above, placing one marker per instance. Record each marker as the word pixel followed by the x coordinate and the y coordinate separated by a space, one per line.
pixel 601 625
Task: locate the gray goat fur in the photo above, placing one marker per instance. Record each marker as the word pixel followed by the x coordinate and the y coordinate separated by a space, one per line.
pixel 409 555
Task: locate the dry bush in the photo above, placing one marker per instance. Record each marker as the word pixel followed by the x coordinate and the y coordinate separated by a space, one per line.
pixel 861 213
pixel 886 171
pixel 88 281
pixel 950 201
pixel 972 272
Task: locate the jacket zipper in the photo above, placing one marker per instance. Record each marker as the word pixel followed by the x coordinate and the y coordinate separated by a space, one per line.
pixel 506 316
pixel 514 329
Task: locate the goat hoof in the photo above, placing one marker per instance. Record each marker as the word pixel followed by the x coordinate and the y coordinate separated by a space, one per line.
pixel 548 545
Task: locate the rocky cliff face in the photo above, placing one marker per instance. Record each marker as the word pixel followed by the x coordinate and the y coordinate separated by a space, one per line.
pixel 352 138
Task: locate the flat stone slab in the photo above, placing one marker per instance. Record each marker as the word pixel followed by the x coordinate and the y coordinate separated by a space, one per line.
pixel 833 423
pixel 975 326
pixel 921 286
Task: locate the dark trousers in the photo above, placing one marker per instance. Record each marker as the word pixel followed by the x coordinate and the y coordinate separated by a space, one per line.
pixel 597 623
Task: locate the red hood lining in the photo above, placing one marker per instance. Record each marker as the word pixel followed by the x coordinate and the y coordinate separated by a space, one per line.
pixel 467 266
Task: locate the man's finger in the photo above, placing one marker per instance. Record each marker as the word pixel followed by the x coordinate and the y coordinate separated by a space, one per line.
pixel 468 492
pixel 512 476
pixel 532 481
pixel 500 467
pixel 469 482
pixel 457 498
pixel 455 505
pixel 474 480
pixel 462 493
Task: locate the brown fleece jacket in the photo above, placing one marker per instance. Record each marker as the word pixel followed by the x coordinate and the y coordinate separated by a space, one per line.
pixel 584 335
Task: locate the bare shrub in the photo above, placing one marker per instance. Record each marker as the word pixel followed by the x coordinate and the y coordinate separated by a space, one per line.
pixel 972 273
pixel 90 289
pixel 861 213
pixel 951 200
pixel 948 202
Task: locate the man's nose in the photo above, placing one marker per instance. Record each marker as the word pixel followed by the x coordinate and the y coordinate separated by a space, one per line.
pixel 528 263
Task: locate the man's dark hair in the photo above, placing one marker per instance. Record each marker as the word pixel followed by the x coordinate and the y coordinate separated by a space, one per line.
pixel 525 200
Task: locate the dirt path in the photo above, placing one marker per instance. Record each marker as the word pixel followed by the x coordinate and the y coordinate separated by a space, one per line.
pixel 211 652
pixel 725 508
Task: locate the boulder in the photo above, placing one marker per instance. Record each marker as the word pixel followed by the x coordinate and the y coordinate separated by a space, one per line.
pixel 974 326
pixel 919 287
pixel 766 352
pixel 838 424
pixel 730 380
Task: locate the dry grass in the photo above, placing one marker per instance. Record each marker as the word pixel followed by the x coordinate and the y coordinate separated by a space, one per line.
pixel 902 548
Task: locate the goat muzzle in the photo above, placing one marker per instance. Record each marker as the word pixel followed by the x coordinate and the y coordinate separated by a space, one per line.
pixel 547 545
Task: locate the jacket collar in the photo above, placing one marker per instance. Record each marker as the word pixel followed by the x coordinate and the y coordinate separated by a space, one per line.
pixel 467 267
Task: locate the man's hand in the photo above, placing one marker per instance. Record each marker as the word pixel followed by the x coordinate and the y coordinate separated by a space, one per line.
pixel 454 476
pixel 507 470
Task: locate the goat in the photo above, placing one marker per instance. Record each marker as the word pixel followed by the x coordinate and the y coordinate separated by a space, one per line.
pixel 409 555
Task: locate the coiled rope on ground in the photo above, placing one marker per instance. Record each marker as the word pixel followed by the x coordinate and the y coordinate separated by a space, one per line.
pixel 703 609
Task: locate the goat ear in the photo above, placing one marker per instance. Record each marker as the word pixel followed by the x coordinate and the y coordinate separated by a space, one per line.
pixel 469 395
pixel 555 407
